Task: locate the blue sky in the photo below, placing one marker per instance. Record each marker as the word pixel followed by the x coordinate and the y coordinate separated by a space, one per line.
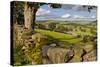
pixel 66 12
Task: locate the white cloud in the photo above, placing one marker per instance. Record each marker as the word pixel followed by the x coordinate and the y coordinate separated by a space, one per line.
pixel 66 16
pixel 93 16
pixel 77 16
pixel 42 11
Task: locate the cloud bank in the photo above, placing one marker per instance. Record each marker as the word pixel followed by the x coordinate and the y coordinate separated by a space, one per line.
pixel 65 13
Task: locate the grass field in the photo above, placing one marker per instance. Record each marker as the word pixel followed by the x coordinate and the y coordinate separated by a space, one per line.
pixel 67 38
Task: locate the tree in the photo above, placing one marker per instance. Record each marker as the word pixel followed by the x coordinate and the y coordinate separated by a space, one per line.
pixel 52 26
pixel 17 12
pixel 89 8
pixel 60 28
pixel 30 10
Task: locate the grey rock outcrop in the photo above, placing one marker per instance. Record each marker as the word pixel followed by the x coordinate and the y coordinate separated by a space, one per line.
pixel 59 55
pixel 90 56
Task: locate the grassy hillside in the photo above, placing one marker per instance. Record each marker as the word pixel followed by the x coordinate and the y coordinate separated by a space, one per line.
pixel 67 38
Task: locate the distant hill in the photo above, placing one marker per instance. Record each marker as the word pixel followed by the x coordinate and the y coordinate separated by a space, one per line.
pixel 66 22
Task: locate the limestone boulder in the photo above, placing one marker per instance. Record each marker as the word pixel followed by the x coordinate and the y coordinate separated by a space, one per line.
pixel 91 56
pixel 59 55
